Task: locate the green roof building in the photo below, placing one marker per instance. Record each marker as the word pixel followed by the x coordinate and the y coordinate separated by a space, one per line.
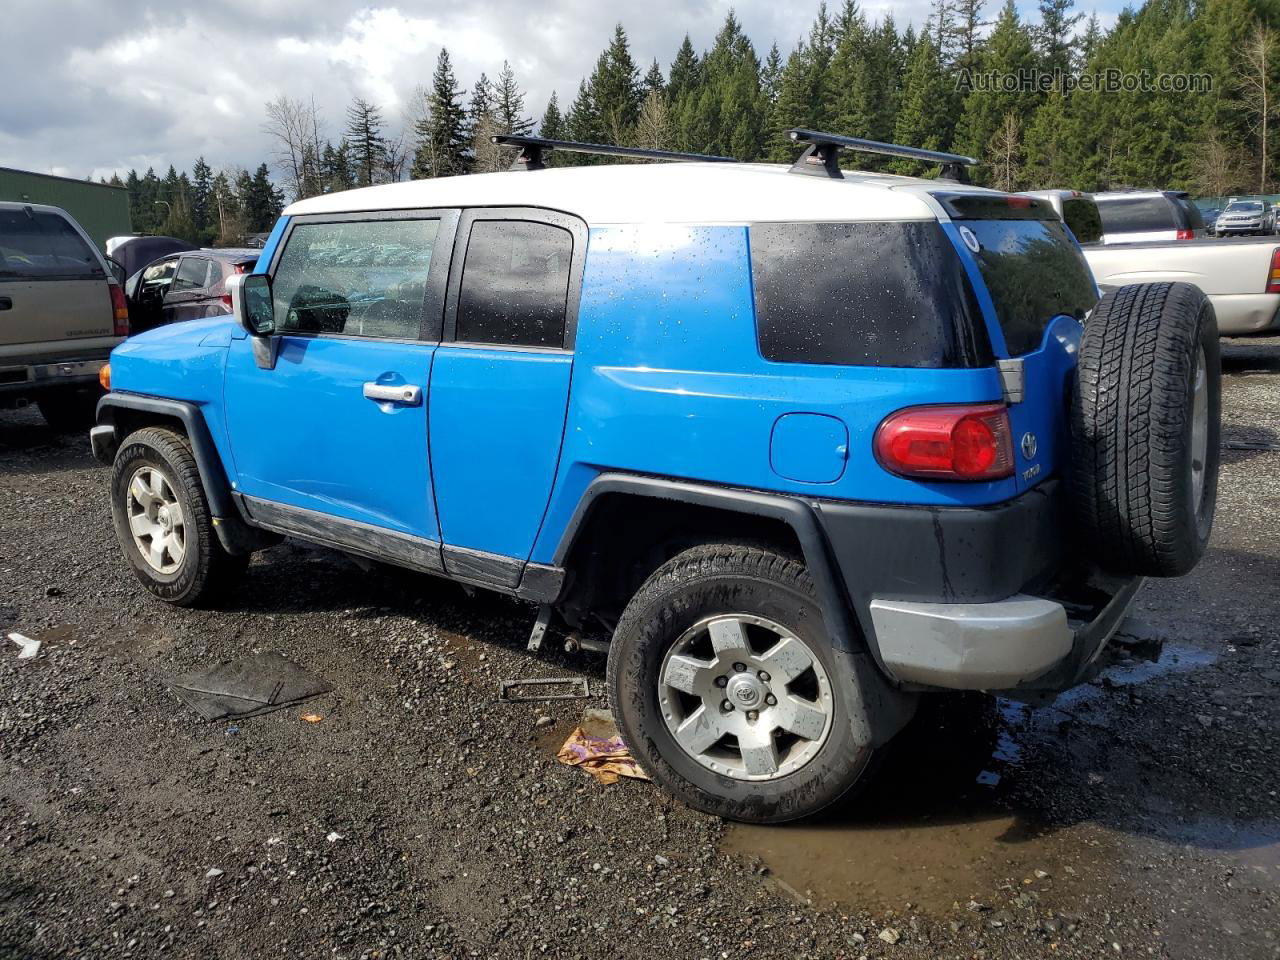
pixel 102 209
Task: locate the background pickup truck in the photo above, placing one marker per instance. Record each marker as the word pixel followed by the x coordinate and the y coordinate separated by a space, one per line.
pixel 1241 276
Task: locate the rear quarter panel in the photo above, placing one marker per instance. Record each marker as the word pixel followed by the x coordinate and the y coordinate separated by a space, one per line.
pixel 668 380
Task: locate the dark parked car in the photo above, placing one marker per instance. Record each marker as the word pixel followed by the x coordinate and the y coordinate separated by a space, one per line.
pixel 184 286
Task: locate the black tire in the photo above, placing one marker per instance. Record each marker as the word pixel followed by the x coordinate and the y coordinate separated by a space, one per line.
pixel 69 411
pixel 714 580
pixel 1131 424
pixel 206 570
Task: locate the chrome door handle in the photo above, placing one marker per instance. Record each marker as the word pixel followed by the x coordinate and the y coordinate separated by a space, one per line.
pixel 405 395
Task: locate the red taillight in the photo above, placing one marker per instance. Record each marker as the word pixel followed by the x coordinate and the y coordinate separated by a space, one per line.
pixel 1273 274
pixel 226 300
pixel 947 443
pixel 1186 235
pixel 1018 203
pixel 119 310
pixel 243 267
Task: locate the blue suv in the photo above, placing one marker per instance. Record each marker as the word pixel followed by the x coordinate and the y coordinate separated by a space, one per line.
pixel 806 444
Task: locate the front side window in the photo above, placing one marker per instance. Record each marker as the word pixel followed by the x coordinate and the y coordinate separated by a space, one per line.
pixel 864 294
pixel 515 284
pixel 157 278
pixel 38 245
pixel 359 278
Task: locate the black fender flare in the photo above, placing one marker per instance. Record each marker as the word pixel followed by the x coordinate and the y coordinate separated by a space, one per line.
pixel 236 534
pixel 795 512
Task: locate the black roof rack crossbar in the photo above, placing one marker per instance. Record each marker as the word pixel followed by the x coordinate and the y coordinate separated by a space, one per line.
pixel 820 156
pixel 532 149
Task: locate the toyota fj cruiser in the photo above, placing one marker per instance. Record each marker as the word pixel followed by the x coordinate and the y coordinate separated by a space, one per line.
pixel 808 444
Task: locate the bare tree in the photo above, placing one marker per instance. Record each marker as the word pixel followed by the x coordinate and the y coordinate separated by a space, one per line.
pixel 653 129
pixel 1006 154
pixel 1254 84
pixel 1222 168
pixel 487 156
pixel 295 128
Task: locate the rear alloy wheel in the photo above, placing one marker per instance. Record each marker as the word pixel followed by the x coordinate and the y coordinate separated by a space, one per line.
pixel 726 687
pixel 745 697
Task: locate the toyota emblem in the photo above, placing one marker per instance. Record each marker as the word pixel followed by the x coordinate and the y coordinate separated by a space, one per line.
pixel 1029 446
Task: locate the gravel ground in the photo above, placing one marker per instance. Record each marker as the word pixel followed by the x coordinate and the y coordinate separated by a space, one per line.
pixel 421 817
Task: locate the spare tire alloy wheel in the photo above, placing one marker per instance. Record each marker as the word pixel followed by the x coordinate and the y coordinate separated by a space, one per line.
pixel 156 520
pixel 741 713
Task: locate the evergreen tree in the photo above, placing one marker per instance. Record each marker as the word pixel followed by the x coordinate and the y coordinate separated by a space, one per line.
pixel 1053 36
pixel 923 119
pixel 653 80
pixel 966 32
pixel 261 200
pixel 552 127
pixel 202 199
pixel 508 107
pixel 615 89
pixel 335 168
pixel 802 93
pixel 686 73
pixel 582 122
pixel 1051 161
pixel 440 135
pixel 1008 52
pixel 480 105
pixel 364 141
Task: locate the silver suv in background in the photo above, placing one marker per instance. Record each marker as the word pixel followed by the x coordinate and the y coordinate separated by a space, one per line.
pixel 62 311
pixel 1145 216
pixel 1245 217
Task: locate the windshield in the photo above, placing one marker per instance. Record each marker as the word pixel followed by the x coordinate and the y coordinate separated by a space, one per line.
pixel 1034 272
pixel 1248 206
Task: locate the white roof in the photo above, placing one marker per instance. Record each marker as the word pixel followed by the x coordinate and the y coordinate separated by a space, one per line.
pixel 703 193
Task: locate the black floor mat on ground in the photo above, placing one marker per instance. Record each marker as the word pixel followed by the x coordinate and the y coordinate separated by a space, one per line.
pixel 246 688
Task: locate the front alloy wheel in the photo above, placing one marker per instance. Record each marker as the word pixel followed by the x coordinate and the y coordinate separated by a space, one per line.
pixel 156 520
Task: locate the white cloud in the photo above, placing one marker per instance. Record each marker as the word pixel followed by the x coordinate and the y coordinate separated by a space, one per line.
pixel 133 83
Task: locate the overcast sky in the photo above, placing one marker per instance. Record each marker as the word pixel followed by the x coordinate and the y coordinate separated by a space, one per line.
pixel 96 86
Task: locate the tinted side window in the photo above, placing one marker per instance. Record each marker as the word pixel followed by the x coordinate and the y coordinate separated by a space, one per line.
pixel 515 284
pixel 1034 273
pixel 864 294
pixel 44 246
pixel 193 274
pixel 362 278
pixel 1190 213
pixel 1136 214
pixel 1081 215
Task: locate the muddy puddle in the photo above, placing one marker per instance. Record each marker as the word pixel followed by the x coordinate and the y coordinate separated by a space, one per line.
pixel 961 813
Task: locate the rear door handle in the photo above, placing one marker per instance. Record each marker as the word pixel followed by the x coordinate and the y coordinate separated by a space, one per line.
pixel 403 394
pixel 6 303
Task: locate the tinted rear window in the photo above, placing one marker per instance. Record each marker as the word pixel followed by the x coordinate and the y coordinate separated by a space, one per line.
pixel 1137 214
pixel 864 294
pixel 1034 273
pixel 1190 213
pixel 44 246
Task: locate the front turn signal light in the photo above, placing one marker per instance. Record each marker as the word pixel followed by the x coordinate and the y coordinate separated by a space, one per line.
pixel 104 377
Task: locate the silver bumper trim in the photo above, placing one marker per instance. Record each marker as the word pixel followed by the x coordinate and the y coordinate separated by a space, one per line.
pixel 971 646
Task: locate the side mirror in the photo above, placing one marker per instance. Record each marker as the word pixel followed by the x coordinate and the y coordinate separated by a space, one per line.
pixel 251 303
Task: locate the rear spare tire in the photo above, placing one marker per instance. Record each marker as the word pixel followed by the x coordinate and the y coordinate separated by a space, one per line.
pixel 1144 425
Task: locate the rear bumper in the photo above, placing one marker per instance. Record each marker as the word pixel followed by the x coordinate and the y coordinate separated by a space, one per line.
pixel 1245 313
pixel 22 379
pixel 1023 643
pixel 986 598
